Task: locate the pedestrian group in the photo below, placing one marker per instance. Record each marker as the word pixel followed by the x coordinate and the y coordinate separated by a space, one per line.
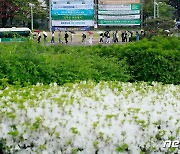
pixel 105 37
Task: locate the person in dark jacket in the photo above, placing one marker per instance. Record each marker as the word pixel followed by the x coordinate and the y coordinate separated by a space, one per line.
pixel 101 38
pixel 66 37
pixel 39 37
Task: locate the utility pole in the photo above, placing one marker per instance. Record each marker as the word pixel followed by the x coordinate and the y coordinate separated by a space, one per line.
pixel 95 14
pixel 50 18
pixel 31 5
pixel 154 9
pixel 142 5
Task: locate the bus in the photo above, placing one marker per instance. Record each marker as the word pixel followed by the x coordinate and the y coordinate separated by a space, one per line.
pixel 14 34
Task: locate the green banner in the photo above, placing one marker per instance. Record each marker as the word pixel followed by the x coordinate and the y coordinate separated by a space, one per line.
pixel 135 6
pixel 72 17
pixel 119 22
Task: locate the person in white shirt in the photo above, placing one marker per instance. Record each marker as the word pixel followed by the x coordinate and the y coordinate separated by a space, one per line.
pixel 52 39
pixel 45 36
pixel 90 39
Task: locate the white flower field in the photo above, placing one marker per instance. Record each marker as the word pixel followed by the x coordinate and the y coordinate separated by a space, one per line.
pixel 90 118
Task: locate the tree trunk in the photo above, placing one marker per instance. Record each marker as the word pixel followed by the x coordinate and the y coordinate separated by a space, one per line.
pixel 11 20
pixel 4 22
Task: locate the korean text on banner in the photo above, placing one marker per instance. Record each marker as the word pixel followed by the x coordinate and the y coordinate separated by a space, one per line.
pixel 118 1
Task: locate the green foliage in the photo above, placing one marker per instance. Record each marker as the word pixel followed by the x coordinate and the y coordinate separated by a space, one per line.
pixel 165 10
pixel 29 63
pixel 159 24
pixel 122 148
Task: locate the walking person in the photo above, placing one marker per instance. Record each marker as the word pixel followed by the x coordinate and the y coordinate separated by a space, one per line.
pixel 105 36
pixel 45 36
pixel 72 38
pixel 130 36
pixel 101 38
pixel 39 37
pixel 137 36
pixel 83 38
pixel 66 37
pixel 52 38
pixel 123 36
pixel 90 39
pixel 116 36
pixel 59 37
pixel 108 37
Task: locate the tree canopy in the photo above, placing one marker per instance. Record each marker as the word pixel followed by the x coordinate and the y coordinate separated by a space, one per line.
pixel 20 10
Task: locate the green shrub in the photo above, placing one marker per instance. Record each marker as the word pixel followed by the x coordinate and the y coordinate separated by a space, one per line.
pixel 29 63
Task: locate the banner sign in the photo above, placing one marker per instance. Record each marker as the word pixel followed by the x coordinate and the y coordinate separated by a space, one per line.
pixel 72 23
pixel 119 22
pixel 119 17
pixel 72 13
pixel 54 28
pixel 119 12
pixel 126 7
pixel 72 6
pixel 72 2
pixel 74 17
pixel 118 1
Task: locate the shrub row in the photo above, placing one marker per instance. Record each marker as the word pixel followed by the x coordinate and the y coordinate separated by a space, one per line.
pixel 29 63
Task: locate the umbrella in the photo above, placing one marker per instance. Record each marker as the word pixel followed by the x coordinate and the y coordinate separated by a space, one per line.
pixel 100 32
pixel 44 33
pixel 168 31
pixel 73 32
pixel 36 30
pixel 90 32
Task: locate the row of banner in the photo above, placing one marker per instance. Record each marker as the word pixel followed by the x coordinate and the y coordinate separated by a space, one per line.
pixel 81 12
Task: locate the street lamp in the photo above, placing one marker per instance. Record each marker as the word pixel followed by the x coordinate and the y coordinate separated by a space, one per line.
pixel 154 8
pixel 31 5
pixel 156 4
pixel 158 8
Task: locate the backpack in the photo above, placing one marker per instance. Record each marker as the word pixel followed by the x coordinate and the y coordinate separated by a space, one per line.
pixel 84 35
pixel 66 35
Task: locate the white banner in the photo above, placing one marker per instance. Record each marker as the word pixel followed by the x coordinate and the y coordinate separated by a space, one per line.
pixel 115 7
pixel 118 17
pixel 72 6
pixel 72 23
pixel 72 2
pixel 119 12
pixel 118 1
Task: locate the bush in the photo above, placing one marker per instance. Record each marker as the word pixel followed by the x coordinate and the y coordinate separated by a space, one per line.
pixel 156 60
pixel 29 63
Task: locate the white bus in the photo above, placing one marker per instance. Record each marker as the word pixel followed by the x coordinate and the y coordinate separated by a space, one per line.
pixel 14 34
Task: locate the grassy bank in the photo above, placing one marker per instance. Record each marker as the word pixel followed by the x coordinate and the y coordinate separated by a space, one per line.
pixel 30 63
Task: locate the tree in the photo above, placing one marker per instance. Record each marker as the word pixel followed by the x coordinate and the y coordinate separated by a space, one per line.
pixel 20 10
pixel 159 24
pixel 176 4
pixel 7 10
pixel 165 9
pixel 23 14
